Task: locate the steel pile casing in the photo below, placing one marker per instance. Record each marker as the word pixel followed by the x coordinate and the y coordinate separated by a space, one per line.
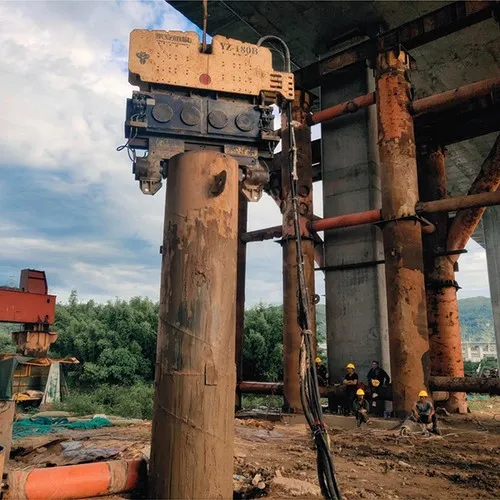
pixel 292 333
pixel 193 429
pixel 407 316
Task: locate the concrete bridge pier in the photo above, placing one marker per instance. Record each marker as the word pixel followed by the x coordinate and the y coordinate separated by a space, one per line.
pixel 356 306
pixel 491 226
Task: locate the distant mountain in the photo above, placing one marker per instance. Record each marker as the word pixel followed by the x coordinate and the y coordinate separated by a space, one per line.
pixel 476 320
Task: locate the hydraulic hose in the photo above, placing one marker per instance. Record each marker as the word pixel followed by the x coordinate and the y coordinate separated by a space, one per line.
pixel 309 390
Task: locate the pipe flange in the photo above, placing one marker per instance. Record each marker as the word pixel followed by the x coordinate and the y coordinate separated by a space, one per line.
pixel 436 284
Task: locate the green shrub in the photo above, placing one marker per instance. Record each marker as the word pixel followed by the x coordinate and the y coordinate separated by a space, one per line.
pixel 251 402
pixel 131 402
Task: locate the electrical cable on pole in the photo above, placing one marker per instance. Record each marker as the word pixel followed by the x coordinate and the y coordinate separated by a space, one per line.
pixel 309 390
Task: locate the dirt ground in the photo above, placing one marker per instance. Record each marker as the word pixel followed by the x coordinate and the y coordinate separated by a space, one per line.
pixel 277 459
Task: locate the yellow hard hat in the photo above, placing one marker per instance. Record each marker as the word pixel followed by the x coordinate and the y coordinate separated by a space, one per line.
pixel 350 365
pixel 360 392
pixel 375 382
pixel 317 360
pixel 423 394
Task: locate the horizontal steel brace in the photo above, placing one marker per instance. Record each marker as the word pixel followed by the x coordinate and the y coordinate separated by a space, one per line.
pixel 356 265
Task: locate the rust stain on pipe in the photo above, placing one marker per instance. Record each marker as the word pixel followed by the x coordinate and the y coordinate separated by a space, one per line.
pixel 466 221
pixel 344 108
pixel 447 99
pixel 77 481
pixel 407 315
pixel 195 380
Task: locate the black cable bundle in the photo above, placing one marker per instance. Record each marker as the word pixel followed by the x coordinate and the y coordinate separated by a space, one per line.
pixel 309 391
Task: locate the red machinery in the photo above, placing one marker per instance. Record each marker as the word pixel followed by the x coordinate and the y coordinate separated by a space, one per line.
pixel 31 305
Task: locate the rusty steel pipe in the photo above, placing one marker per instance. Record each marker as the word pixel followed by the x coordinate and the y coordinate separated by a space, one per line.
pixel 407 316
pixel 268 233
pixel 195 382
pixel 466 221
pixel 344 108
pixel 475 385
pixel 372 216
pixel 441 293
pixel 472 385
pixel 444 100
pixel 480 200
pixel 248 387
pixel 77 481
pixel 292 334
pixel 349 220
pixel 241 263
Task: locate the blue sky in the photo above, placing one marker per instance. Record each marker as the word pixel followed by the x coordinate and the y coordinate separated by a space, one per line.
pixel 68 201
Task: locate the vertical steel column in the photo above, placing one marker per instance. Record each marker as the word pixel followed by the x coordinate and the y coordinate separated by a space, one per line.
pixel 407 315
pixel 291 329
pixel 240 293
pixel 441 288
pixel 193 428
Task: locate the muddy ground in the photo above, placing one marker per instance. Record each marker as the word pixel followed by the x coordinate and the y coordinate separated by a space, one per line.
pixel 372 462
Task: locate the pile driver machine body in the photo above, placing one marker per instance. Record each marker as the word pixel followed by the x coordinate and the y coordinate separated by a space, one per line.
pixel 218 100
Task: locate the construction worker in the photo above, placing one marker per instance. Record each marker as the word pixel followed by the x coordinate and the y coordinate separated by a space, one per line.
pixel 377 373
pixel 376 405
pixel 360 407
pixel 321 372
pixel 351 384
pixel 423 412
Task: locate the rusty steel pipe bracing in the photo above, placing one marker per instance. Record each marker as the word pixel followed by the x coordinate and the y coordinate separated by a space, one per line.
pixel 431 104
pixel 77 481
pixel 466 221
pixel 344 108
pixel 408 337
pixel 349 220
pixel 441 294
pixel 248 387
pixel 292 335
pixel 473 385
pixel 444 100
pixel 240 292
pixel 193 431
pixel 477 385
pixel 262 234
pixel 453 204
pixel 480 200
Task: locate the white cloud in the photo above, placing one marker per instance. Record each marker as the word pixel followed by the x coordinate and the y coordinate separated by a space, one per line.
pixel 473 272
pixel 63 94
pixel 64 89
